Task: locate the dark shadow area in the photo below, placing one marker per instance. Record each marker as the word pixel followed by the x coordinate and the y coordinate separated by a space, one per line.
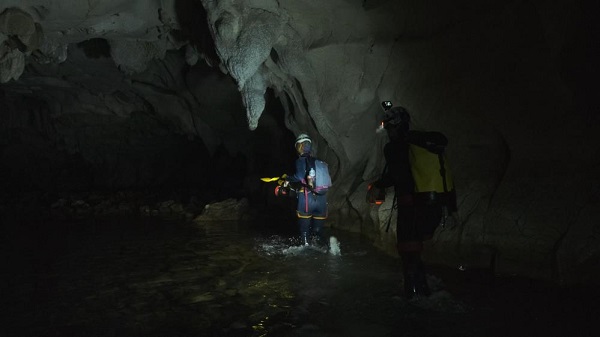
pixel 579 61
pixel 95 48
pixel 525 307
pixel 191 16
pixel 274 155
pixel 68 162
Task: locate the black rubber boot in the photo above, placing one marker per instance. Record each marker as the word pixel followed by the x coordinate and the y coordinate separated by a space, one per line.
pixel 422 286
pixel 410 285
pixel 415 280
pixel 304 239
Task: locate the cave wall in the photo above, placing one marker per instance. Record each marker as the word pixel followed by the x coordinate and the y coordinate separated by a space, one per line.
pixel 509 83
pixel 493 76
pixel 91 118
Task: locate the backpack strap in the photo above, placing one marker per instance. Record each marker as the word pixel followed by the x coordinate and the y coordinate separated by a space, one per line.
pixel 435 142
pixel 307 168
pixel 443 171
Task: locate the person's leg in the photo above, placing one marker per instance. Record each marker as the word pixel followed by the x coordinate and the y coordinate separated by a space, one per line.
pixel 304 226
pixel 319 231
pixel 415 282
pixel 319 210
pixel 304 218
pixel 429 218
pixel 410 246
pixel 426 219
pixel 409 271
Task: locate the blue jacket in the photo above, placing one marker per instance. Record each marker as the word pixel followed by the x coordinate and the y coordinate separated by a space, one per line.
pixel 299 176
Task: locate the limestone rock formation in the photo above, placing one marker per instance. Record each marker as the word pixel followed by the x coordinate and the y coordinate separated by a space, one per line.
pixel 507 82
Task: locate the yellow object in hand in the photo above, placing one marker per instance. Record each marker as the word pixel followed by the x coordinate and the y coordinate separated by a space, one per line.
pixel 268 180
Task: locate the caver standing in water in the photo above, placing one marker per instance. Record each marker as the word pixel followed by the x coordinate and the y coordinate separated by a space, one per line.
pixel 311 181
pixel 419 213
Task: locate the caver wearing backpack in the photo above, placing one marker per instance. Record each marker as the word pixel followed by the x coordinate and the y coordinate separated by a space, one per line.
pixel 415 166
pixel 313 180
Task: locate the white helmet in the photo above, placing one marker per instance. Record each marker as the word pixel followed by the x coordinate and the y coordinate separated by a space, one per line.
pixel 302 138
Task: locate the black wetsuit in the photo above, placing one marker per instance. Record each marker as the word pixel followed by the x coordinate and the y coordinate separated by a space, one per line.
pixel 312 207
pixel 417 218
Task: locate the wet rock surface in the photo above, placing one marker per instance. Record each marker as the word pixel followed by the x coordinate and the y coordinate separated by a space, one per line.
pixel 151 277
pixel 228 210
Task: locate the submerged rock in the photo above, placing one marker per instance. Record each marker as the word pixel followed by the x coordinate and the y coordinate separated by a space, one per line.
pixel 226 210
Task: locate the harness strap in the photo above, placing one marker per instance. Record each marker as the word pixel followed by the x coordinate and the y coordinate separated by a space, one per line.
pixel 443 173
pixel 305 200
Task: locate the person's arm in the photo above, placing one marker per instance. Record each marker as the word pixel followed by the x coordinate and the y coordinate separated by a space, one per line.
pixel 297 179
pixel 398 171
pixel 386 179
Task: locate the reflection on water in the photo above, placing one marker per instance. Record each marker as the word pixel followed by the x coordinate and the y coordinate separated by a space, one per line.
pixel 152 278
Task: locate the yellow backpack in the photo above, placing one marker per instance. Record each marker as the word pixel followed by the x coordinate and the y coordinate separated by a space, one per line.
pixel 428 162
